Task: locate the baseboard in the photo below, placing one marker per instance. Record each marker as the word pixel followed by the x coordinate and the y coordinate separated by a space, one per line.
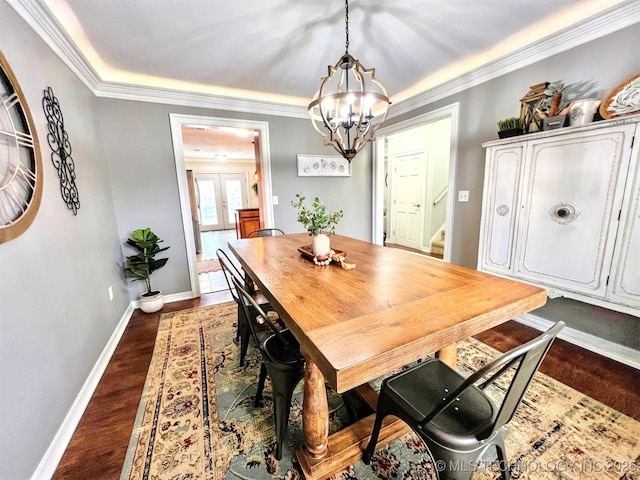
pixel 606 348
pixel 48 464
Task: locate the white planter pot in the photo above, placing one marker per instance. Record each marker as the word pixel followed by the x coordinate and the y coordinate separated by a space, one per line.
pixel 151 303
pixel 321 245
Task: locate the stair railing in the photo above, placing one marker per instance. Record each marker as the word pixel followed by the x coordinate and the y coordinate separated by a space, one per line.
pixel 441 196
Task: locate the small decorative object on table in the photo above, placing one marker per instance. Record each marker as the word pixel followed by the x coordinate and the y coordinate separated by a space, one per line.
pixel 337 256
pixel 510 127
pixel 319 222
pixel 143 264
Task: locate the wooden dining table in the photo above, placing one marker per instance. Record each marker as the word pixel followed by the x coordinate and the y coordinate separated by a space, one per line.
pixel 393 308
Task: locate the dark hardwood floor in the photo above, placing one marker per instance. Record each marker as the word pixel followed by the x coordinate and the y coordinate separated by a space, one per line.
pixel 99 444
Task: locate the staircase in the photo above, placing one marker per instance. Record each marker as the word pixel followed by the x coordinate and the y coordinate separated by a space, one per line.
pixel 437 246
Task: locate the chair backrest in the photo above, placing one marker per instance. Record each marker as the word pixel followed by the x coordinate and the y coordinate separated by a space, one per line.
pixel 230 272
pixel 249 300
pixel 265 232
pixel 525 359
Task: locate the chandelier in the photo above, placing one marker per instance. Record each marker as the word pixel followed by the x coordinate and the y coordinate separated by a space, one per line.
pixel 350 105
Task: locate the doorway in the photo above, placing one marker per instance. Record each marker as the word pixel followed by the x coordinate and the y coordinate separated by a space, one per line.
pixel 414 173
pixel 262 171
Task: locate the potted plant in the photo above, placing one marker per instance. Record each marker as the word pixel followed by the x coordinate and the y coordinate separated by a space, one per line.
pixel 141 265
pixel 319 222
pixel 510 127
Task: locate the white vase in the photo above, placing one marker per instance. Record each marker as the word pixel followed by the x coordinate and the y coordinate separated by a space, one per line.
pixel 151 303
pixel 581 112
pixel 321 245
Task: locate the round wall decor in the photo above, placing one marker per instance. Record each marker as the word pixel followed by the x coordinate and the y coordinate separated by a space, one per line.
pixel 20 162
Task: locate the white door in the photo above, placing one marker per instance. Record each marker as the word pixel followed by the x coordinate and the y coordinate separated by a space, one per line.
pixel 219 196
pixel 408 196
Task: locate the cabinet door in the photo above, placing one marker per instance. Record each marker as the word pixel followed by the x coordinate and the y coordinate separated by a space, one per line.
pixel 500 208
pixel 624 283
pixel 573 191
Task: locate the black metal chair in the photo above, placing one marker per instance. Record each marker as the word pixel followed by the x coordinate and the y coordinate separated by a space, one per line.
pixel 281 359
pixel 243 332
pixel 265 232
pixel 456 419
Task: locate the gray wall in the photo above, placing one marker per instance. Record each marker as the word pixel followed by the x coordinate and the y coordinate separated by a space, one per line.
pixel 55 313
pixel 608 61
pixel 139 151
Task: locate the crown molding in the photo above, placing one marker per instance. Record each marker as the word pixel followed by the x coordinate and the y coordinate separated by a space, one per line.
pixel 194 99
pixel 42 21
pixel 616 18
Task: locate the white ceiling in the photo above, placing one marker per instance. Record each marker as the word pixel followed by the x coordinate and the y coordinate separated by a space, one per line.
pixel 276 51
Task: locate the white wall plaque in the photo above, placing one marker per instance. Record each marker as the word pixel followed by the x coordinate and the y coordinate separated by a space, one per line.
pixel 323 166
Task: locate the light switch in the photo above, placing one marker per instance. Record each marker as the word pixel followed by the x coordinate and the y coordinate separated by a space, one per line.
pixel 275 199
pixel 463 196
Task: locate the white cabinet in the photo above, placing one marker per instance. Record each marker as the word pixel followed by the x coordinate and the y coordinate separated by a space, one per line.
pixel 624 284
pixel 561 209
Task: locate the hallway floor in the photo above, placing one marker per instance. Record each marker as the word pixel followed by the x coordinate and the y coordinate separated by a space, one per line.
pixel 212 241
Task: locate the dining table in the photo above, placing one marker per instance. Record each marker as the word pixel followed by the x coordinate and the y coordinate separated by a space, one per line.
pixel 354 325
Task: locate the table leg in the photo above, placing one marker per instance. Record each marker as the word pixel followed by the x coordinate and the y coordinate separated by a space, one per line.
pixel 248 283
pixel 449 355
pixel 315 412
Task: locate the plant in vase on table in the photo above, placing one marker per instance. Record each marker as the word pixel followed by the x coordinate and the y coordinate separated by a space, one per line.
pixel 141 265
pixel 320 223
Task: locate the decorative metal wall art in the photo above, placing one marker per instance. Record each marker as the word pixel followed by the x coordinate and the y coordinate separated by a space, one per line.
pixel 58 139
pixel 323 166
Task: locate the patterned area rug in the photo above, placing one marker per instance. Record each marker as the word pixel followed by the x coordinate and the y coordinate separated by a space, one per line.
pixel 197 420
pixel 210 265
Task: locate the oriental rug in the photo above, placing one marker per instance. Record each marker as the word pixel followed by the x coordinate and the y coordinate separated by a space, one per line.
pixel 197 420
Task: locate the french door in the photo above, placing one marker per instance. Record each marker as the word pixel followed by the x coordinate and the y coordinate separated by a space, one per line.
pixel 219 195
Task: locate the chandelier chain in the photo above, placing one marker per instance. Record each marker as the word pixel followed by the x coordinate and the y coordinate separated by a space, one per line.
pixel 346 23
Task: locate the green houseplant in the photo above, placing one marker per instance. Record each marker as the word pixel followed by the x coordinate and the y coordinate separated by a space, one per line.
pixel 318 221
pixel 510 127
pixel 141 265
